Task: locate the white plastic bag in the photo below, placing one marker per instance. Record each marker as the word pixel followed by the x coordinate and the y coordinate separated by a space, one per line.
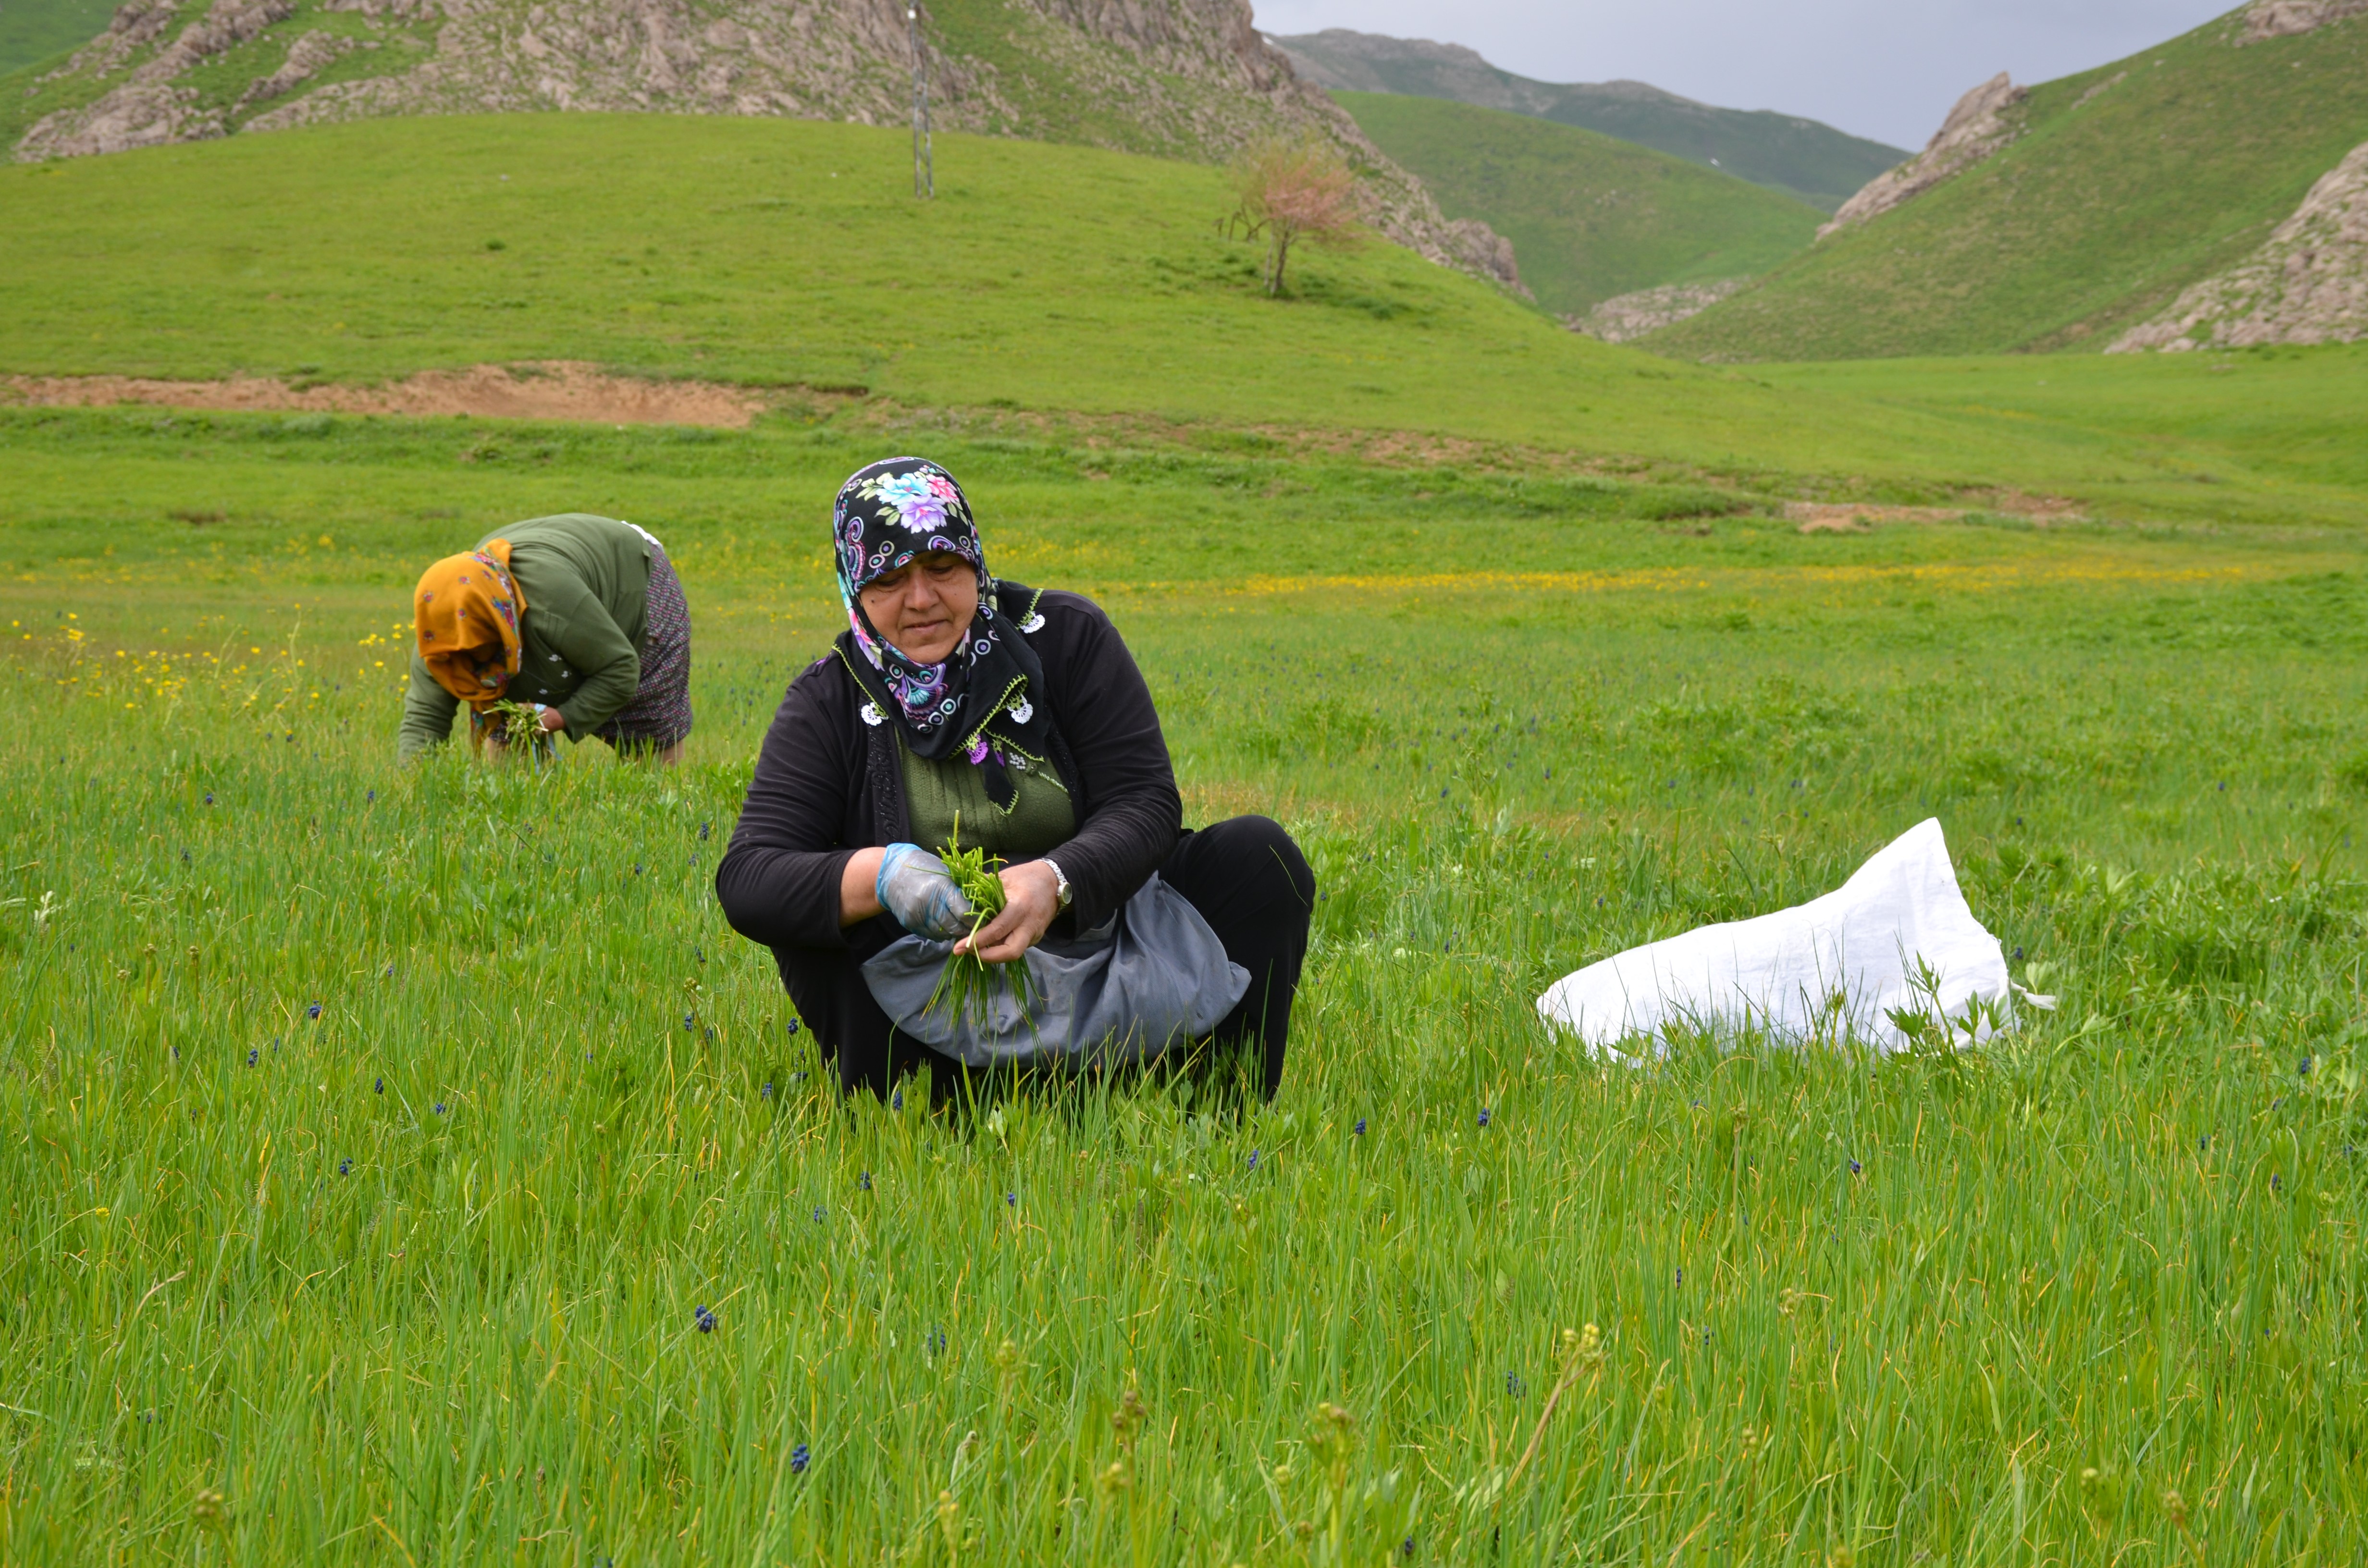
pixel 1836 966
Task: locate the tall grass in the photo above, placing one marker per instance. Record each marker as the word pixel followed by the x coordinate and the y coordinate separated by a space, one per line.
pixel 374 1134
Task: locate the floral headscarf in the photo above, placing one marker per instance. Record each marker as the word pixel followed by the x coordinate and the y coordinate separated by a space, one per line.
pixel 466 613
pixel 889 514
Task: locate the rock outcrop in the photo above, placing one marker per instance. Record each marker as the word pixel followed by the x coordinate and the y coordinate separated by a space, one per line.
pixel 2308 283
pixel 2284 18
pixel 1983 121
pixel 1181 78
pixel 1624 317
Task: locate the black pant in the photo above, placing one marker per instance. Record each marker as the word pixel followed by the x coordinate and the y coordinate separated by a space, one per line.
pixel 1246 877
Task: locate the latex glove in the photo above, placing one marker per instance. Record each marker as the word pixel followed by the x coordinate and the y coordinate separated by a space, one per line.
pixel 914 887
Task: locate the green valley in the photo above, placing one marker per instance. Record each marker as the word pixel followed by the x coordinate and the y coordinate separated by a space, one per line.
pixel 1802 158
pixel 2127 184
pixel 1589 216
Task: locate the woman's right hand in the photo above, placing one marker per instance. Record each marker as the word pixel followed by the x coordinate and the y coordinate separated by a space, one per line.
pixel 914 887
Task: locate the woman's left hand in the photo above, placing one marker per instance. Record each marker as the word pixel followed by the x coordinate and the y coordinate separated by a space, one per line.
pixel 1032 895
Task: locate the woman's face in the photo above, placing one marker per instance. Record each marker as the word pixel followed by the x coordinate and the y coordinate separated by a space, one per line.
pixel 924 608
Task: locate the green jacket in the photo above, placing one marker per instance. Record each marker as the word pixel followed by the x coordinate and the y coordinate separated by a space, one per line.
pixel 586 581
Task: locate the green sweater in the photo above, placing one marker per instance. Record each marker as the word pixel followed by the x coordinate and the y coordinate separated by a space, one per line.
pixel 1042 818
pixel 586 581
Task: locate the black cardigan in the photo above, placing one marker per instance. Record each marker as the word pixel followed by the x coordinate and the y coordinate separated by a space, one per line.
pixel 827 784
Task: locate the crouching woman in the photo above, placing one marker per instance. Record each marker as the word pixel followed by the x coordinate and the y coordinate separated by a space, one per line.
pixel 577 618
pixel 952 692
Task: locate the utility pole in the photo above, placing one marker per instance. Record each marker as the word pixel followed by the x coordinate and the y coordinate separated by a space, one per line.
pixel 924 172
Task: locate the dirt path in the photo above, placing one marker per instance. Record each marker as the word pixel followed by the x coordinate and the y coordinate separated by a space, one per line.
pixel 555 390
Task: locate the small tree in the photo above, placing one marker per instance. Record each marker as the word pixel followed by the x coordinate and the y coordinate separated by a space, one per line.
pixel 1292 191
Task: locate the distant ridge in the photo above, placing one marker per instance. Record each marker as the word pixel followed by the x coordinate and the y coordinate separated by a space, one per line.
pixel 1805 158
pixel 1186 79
pixel 1594 218
pixel 35 30
pixel 2210 191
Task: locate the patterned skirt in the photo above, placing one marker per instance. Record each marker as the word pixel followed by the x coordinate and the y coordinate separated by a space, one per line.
pixel 659 714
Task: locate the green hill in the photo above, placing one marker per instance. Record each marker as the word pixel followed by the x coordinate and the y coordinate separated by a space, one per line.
pixel 775 251
pixel 1802 157
pixel 1190 80
pixel 34 31
pixel 1589 216
pixel 2127 184
pixel 1054 286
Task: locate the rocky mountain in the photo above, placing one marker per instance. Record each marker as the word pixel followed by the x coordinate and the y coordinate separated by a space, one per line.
pixel 2207 191
pixel 1976 127
pixel 1179 79
pixel 2308 283
pixel 1805 158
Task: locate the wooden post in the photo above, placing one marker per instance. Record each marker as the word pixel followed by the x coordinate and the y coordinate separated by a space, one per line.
pixel 925 172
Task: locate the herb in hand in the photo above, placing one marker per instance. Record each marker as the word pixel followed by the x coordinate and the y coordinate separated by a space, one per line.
pixel 520 727
pixel 969 980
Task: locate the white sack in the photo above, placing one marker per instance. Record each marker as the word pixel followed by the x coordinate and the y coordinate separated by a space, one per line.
pixel 1856 949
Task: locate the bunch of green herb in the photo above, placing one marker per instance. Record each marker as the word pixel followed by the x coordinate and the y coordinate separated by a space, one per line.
pixel 969 980
pixel 520 729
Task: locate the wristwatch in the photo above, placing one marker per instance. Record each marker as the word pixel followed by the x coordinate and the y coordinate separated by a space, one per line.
pixel 1061 880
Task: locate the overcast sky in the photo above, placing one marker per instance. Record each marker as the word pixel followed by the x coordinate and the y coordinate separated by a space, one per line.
pixel 1888 69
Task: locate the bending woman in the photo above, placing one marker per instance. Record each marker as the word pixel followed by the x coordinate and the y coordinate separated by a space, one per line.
pixel 952 691
pixel 577 616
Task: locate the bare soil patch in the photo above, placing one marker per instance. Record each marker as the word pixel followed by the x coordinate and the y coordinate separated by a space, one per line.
pixel 1859 516
pixel 551 390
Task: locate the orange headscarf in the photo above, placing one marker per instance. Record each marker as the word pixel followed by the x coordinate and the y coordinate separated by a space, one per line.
pixel 466 613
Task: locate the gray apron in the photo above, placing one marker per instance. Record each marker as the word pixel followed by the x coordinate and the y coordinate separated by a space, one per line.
pixel 1152 975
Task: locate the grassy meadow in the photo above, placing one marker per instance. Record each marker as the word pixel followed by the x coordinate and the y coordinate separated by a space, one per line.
pixel 407 1165
pixel 374 1133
